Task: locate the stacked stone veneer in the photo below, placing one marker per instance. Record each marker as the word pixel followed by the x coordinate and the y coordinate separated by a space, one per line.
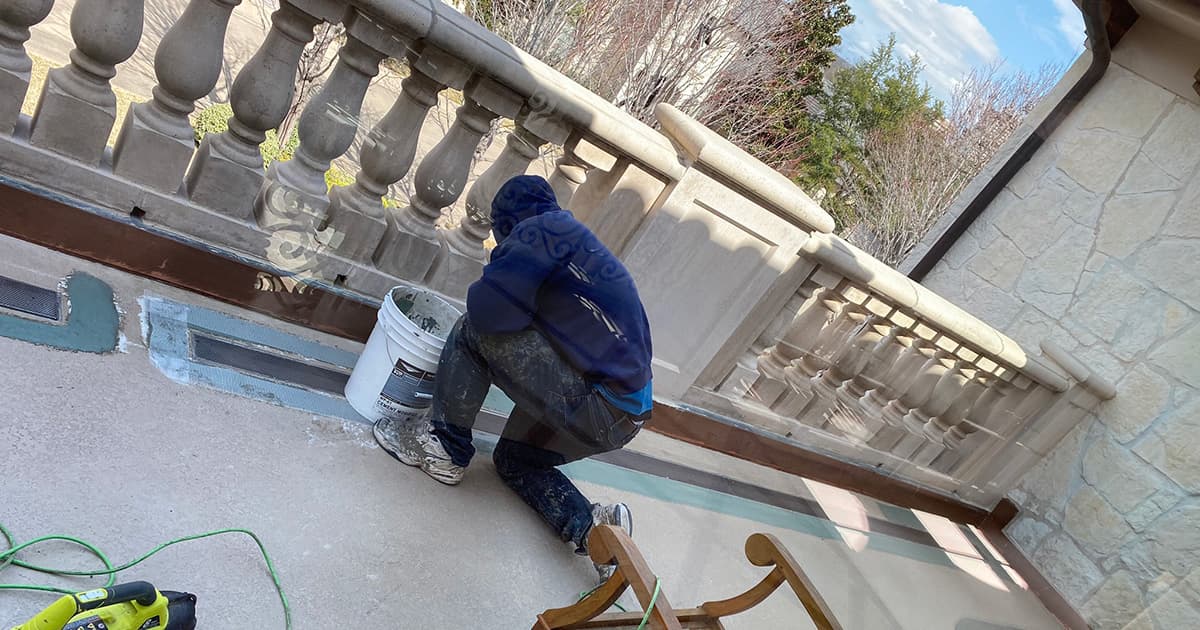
pixel 1095 245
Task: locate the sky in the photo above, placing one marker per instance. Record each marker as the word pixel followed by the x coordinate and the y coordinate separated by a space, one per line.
pixel 954 36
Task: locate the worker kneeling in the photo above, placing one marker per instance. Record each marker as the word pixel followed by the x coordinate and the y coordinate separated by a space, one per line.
pixel 556 323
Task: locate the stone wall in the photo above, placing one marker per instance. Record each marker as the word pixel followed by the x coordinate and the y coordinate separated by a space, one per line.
pixel 1096 246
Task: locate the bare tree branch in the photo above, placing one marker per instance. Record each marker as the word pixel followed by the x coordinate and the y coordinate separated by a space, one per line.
pixel 913 174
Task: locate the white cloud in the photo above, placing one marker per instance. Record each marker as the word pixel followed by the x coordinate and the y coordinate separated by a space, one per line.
pixel 1070 24
pixel 950 38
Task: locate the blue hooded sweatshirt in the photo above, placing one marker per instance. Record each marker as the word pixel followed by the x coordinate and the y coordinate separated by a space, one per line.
pixel 551 272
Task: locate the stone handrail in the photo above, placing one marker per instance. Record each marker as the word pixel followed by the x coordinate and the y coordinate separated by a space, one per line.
pixel 837 254
pixel 551 92
pixel 708 150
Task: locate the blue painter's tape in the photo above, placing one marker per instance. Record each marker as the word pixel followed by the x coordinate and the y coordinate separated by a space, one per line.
pixel 169 326
pixel 92 322
pixel 234 328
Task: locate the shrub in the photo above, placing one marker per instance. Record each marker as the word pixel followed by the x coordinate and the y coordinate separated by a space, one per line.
pixel 337 177
pixel 272 152
pixel 211 119
pixel 215 119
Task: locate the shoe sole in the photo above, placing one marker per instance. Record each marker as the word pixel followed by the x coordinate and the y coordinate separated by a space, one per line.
pixel 398 456
pixel 439 477
pixel 623 513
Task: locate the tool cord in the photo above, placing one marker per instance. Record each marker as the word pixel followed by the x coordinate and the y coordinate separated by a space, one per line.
pixel 8 558
pixel 649 609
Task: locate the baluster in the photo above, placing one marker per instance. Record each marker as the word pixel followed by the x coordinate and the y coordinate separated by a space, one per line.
pixel 462 259
pixel 991 401
pixel 156 141
pixel 78 109
pixel 962 391
pixel 804 327
pixel 872 366
pixel 357 219
pixel 995 402
pixel 940 397
pixel 411 243
pixel 970 388
pixel 835 336
pixel 799 372
pixel 899 372
pixel 927 391
pixel 916 353
pixel 850 355
pixel 227 172
pixel 965 427
pixel 16 16
pixel 327 129
pixel 905 391
pixel 921 381
pixel 571 170
pixel 877 362
pixel 846 317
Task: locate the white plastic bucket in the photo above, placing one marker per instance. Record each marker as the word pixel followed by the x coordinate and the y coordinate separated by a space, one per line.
pixel 394 375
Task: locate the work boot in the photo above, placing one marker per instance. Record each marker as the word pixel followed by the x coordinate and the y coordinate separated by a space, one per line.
pixel 617 515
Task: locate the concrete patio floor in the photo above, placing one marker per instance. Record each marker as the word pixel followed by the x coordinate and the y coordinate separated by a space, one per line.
pixel 107 447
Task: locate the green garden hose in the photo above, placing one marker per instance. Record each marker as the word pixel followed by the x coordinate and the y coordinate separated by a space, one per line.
pixel 8 558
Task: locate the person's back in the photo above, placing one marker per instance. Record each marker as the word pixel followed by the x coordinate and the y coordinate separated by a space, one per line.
pixel 550 271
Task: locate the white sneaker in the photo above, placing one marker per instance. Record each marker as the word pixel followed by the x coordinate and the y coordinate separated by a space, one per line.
pixel 417 447
pixel 437 463
pixel 617 515
pixel 400 440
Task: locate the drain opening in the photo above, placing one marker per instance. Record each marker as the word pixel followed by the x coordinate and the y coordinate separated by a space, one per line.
pixel 272 366
pixel 29 299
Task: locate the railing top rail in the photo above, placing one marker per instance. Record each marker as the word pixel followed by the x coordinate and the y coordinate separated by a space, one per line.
pixel 702 146
pixel 861 267
pixel 547 90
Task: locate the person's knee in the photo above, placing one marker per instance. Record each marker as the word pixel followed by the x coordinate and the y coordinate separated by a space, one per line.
pixel 506 464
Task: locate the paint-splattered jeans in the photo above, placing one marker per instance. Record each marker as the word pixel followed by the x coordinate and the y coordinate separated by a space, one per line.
pixel 558 418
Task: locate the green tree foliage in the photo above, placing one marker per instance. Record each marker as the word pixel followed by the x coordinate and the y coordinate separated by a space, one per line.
pixel 772 120
pixel 215 119
pixel 878 96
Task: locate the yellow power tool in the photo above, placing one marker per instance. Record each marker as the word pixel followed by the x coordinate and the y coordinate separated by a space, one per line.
pixel 132 606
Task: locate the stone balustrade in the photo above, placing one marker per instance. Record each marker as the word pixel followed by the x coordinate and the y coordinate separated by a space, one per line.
pixel 872 367
pixel 758 311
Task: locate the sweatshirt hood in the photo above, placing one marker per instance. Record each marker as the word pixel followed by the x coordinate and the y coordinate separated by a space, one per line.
pixel 520 198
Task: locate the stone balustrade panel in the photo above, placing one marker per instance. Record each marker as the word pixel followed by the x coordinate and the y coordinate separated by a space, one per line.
pixel 864 376
pixel 758 309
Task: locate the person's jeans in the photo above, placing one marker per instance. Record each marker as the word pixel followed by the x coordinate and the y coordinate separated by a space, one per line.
pixel 558 418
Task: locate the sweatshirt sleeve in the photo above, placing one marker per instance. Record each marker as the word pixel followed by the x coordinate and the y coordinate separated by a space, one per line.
pixel 504 299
